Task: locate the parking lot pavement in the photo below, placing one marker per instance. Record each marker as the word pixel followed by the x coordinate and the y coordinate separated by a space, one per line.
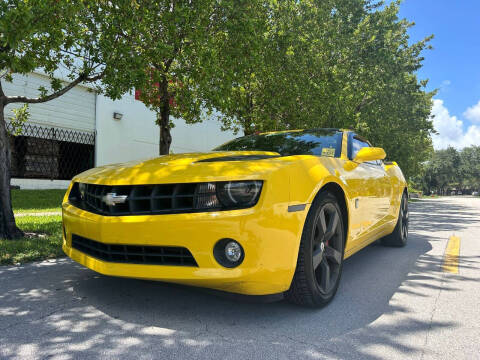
pixel 392 303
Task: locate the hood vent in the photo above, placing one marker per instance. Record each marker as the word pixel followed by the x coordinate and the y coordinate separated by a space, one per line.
pixel 239 158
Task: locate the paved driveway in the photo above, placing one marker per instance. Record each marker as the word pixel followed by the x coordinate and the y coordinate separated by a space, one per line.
pixel 392 303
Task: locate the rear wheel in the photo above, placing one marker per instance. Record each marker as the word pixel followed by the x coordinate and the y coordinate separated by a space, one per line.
pixel 399 236
pixel 320 257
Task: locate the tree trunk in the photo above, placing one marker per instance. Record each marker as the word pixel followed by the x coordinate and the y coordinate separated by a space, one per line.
pixel 248 128
pixel 163 118
pixel 248 131
pixel 8 228
pixel 165 136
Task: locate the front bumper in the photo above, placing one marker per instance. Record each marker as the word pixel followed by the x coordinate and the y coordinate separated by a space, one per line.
pixel 270 237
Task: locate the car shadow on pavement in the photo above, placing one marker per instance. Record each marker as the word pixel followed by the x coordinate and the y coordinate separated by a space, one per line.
pixel 75 313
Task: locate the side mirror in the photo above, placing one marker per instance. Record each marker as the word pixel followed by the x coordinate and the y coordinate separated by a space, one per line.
pixel 370 154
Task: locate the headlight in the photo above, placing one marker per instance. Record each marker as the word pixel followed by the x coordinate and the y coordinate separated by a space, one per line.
pixel 227 195
pixel 239 193
pixel 206 196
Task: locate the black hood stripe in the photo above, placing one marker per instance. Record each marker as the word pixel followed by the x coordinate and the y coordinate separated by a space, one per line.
pixel 239 158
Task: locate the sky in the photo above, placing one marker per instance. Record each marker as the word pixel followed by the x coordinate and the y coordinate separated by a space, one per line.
pixel 453 66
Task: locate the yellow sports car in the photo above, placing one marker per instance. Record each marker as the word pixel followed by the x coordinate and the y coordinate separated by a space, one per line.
pixel 262 214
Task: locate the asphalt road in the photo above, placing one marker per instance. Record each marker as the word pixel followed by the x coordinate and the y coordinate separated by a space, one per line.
pixel 392 303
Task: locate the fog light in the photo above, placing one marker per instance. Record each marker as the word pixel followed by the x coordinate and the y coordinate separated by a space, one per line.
pixel 233 251
pixel 228 253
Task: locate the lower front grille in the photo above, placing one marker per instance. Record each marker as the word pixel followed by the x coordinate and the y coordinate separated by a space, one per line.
pixel 134 254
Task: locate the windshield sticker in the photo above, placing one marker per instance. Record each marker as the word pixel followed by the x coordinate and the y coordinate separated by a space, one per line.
pixel 328 152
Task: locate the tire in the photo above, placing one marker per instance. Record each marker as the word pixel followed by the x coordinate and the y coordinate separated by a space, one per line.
pixel 399 236
pixel 320 256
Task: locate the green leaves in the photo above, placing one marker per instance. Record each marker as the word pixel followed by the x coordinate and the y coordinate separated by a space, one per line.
pixel 259 65
pixel 33 33
pixel 20 116
pixel 332 64
pixel 450 168
pixel 191 55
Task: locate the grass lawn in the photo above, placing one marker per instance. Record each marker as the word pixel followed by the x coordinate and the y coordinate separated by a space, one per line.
pixel 31 201
pixel 46 243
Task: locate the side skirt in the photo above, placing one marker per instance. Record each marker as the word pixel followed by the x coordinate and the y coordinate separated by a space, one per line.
pixel 367 239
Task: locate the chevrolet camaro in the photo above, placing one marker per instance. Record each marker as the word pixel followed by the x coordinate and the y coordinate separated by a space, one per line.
pixel 262 214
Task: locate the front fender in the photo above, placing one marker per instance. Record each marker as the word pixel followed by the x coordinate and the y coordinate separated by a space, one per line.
pixel 311 174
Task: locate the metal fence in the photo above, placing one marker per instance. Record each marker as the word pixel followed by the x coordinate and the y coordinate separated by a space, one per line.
pixel 50 153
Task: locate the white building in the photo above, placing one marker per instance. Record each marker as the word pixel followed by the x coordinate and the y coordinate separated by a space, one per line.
pixel 80 126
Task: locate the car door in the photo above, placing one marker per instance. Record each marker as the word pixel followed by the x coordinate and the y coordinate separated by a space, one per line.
pixel 372 189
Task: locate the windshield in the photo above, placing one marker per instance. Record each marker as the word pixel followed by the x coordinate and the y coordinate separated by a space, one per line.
pixel 321 142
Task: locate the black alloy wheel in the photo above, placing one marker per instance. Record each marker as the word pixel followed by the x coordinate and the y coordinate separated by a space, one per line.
pixel 404 217
pixel 327 247
pixel 320 257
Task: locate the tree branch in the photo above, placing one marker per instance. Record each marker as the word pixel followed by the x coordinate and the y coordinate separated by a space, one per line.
pixel 365 102
pixel 95 78
pixel 3 73
pixel 167 64
pixel 78 80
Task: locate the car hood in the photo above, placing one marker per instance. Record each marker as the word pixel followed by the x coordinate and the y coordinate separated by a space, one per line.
pixel 190 167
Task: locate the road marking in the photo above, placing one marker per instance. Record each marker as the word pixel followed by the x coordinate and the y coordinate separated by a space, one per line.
pixel 450 260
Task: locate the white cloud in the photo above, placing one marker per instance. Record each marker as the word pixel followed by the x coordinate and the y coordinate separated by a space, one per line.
pixel 445 84
pixel 450 128
pixel 444 87
pixel 473 113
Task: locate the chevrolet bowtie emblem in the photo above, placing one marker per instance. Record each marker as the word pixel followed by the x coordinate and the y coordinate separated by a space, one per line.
pixel 111 199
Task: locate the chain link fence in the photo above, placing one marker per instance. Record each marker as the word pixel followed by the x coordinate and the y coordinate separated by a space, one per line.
pixel 50 153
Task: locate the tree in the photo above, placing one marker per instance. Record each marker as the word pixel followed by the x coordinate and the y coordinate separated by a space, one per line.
pixel 260 86
pixel 82 38
pixel 443 171
pixel 393 108
pixel 450 168
pixel 181 41
pixel 470 168
pixel 337 64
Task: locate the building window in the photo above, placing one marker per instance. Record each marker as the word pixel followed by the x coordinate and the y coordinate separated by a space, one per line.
pixel 50 153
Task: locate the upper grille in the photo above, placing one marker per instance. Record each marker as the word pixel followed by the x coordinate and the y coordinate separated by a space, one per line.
pixel 141 199
pixel 134 254
pixel 109 200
